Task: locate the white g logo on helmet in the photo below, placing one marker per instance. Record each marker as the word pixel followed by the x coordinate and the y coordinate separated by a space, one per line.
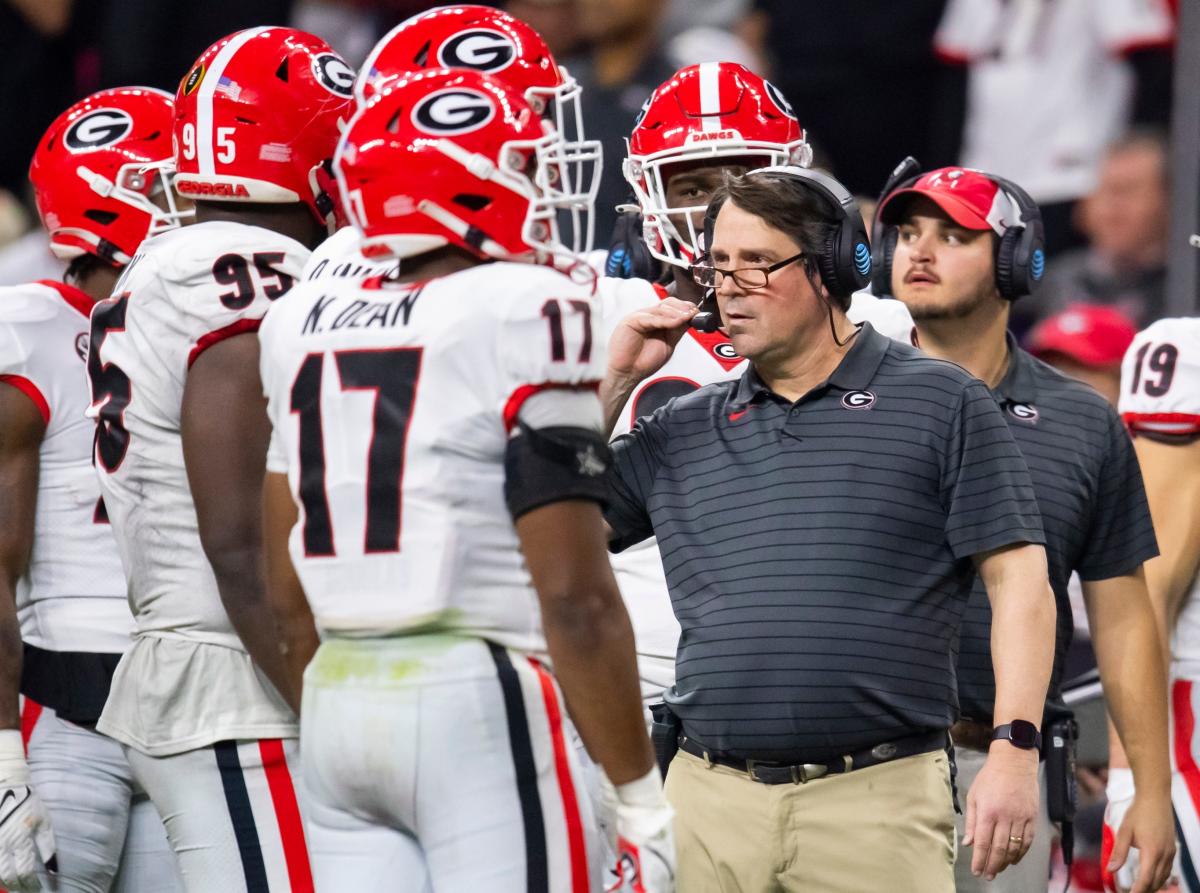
pixel 454 111
pixel 780 101
pixel 334 74
pixel 481 49
pixel 98 129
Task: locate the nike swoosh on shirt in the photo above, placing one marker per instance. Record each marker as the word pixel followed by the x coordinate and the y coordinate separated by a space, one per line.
pixel 734 416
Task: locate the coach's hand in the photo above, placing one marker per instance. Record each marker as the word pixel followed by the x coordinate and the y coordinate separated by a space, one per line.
pixel 640 346
pixel 1002 808
pixel 1142 834
pixel 26 840
pixel 645 339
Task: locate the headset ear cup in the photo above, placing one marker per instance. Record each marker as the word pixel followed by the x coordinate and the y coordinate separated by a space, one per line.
pixel 881 262
pixel 828 263
pixel 1011 274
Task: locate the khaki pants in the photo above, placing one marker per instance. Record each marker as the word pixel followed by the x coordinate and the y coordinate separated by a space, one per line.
pixel 888 828
pixel 1032 873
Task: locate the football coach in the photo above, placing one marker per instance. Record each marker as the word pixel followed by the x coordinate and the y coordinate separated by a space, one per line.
pixel 821 521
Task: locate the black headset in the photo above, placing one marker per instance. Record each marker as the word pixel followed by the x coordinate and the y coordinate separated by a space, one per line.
pixel 1020 252
pixel 845 260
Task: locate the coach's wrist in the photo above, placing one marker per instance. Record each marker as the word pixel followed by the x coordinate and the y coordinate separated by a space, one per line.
pixel 1006 753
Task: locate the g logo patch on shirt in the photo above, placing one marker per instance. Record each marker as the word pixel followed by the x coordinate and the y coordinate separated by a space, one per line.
pixel 81 345
pixel 858 400
pixel 725 351
pixel 1023 411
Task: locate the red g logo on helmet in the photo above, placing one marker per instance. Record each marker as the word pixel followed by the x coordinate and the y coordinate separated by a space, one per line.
pixel 98 129
pixel 333 74
pixel 453 111
pixel 480 48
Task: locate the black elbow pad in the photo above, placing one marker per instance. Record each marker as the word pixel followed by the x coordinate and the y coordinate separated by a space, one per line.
pixel 548 465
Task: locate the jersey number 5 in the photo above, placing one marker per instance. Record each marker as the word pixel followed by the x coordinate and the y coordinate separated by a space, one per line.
pixel 392 374
pixel 111 390
pixel 1161 363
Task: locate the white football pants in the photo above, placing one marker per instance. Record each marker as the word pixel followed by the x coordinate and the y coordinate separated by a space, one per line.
pixel 232 815
pixel 1185 781
pixel 441 763
pixel 108 834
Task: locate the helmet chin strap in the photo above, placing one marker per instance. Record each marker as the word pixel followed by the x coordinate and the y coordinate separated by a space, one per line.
pixel 469 234
pixel 98 183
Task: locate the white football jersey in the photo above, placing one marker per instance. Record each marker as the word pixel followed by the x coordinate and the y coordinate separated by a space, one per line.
pixel 392 406
pixel 72 598
pixel 1160 394
pixel 339 257
pixel 188 681
pixel 699 359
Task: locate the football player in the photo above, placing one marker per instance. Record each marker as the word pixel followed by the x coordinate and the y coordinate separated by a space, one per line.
pixel 180 449
pixel 440 430
pixel 100 182
pixel 484 39
pixel 706 121
pixel 1160 403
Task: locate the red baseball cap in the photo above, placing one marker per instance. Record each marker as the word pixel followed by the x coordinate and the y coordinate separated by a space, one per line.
pixel 1087 333
pixel 971 198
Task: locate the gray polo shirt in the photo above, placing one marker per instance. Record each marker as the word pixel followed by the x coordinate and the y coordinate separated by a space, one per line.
pixel 1093 506
pixel 818 553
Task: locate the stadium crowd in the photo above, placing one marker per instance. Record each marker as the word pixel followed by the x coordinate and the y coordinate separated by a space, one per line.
pixel 578 446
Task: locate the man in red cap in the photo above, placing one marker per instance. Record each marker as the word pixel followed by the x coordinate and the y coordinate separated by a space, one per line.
pixel 1086 342
pixel 958 248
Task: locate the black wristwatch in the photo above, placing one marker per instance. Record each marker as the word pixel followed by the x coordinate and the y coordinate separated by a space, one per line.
pixel 1019 733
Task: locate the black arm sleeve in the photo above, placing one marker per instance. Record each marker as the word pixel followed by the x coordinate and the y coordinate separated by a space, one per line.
pixel 545 465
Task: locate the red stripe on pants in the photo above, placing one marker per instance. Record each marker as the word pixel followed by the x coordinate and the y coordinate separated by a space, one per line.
pixel 575 841
pixel 30 714
pixel 1185 726
pixel 287 814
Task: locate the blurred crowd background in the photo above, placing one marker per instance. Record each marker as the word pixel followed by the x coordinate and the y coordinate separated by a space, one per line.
pixel 1070 98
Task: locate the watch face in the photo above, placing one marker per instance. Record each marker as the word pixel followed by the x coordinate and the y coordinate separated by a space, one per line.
pixel 1023 734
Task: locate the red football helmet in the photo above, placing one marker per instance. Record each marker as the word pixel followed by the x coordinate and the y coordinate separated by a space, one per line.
pixel 257 119
pixel 714 112
pixel 96 170
pixel 487 40
pixel 456 157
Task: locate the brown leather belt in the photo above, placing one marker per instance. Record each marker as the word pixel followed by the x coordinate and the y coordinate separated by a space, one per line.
pixel 971 734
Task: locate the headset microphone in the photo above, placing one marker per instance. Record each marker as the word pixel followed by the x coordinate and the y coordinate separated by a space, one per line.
pixel 907 169
pixel 706 322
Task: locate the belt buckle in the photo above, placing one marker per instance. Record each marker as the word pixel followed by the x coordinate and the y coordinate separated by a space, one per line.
pixel 809 771
pixel 801 773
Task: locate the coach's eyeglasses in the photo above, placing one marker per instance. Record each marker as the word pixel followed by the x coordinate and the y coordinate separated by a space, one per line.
pixel 748 278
